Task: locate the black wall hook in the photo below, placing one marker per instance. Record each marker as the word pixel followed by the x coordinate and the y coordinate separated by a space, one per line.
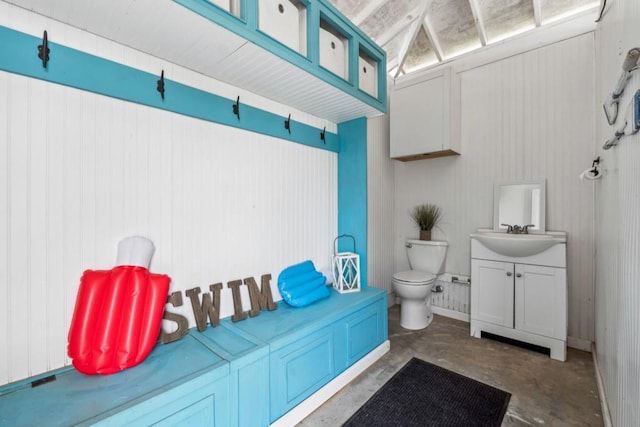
pixel 43 50
pixel 594 166
pixel 287 123
pixel 160 87
pixel 236 107
pixel 322 135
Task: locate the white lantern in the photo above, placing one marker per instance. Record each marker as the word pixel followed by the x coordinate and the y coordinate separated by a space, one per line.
pixel 345 268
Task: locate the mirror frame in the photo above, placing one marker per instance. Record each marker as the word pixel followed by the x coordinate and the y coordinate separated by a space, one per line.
pixel 543 196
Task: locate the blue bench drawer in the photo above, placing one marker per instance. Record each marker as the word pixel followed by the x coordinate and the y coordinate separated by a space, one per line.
pixel 299 369
pixel 364 332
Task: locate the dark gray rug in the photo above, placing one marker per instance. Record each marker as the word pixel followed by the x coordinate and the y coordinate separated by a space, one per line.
pixel 423 394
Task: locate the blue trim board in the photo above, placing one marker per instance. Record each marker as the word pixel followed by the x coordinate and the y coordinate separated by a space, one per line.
pixel 70 67
pixel 352 189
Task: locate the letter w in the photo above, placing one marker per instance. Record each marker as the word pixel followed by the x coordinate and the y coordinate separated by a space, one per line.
pixel 208 307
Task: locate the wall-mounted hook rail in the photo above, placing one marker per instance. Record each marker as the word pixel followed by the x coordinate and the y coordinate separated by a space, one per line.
pixel 160 87
pixel 287 123
pixel 236 107
pixel 322 135
pixel 43 50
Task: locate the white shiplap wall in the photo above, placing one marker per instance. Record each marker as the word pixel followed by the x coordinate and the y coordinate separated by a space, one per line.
pixel 527 116
pixel 79 171
pixel 380 188
pixel 617 227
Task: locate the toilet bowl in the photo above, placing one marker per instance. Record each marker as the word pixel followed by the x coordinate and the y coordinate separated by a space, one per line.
pixel 413 287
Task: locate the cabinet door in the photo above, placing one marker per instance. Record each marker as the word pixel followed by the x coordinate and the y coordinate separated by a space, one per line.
pixel 299 369
pixel 492 292
pixel 541 300
pixel 419 115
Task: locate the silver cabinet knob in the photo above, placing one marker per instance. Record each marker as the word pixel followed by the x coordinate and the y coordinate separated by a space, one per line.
pixel 518 275
pixel 508 273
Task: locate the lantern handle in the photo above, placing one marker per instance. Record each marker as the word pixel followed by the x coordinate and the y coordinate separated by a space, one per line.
pixel 335 243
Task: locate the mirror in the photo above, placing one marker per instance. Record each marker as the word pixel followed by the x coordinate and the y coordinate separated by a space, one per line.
pixel 519 203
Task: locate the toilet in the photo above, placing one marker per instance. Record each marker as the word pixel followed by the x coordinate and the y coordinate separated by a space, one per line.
pixel 413 287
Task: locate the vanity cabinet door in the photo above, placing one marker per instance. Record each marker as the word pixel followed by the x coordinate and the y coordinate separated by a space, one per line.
pixel 492 292
pixel 541 300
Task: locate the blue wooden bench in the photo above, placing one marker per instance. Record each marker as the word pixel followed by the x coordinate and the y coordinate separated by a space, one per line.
pixel 249 373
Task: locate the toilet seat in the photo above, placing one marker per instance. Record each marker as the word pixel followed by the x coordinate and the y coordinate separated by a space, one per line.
pixel 414 277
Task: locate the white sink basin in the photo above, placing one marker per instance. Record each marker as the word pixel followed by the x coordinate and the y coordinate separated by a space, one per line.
pixel 517 245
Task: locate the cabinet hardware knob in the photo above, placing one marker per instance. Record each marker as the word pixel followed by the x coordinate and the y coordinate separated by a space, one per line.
pixel 518 275
pixel 509 273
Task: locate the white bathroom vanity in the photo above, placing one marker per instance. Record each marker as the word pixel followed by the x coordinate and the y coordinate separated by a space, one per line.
pixel 519 288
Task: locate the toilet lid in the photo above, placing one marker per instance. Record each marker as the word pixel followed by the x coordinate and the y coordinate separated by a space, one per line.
pixel 414 276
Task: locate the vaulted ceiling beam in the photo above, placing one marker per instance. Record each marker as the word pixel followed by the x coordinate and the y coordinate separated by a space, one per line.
pixel 477 17
pixel 410 38
pixel 537 13
pixel 433 38
pixel 392 63
pixel 371 8
pixel 396 28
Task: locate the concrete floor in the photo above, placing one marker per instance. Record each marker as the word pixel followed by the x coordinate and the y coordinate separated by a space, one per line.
pixel 543 391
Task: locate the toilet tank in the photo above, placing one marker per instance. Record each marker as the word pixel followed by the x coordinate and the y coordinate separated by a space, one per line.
pixel 427 255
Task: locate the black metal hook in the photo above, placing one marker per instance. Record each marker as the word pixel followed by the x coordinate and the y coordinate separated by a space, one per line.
pixel 594 166
pixel 160 87
pixel 236 107
pixel 43 50
pixel 287 123
pixel 322 135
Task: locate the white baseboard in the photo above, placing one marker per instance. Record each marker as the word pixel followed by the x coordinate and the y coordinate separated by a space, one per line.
pixel 314 401
pixel 465 317
pixel 579 343
pixel 604 404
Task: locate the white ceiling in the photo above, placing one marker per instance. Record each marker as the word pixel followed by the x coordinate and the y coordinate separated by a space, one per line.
pixel 417 34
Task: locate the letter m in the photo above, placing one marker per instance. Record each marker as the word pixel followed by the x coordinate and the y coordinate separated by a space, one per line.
pixel 260 298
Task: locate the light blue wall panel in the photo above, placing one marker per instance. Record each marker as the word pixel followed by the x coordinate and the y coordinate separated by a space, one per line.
pixel 352 189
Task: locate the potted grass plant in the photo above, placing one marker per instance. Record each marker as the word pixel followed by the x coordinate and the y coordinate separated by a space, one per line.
pixel 426 217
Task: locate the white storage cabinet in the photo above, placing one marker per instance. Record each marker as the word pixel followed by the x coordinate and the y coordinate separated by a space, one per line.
pixel 522 298
pixel 421 117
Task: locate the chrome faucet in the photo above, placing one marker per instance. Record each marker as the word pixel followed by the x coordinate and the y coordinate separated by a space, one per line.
pixel 525 228
pixel 517 229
